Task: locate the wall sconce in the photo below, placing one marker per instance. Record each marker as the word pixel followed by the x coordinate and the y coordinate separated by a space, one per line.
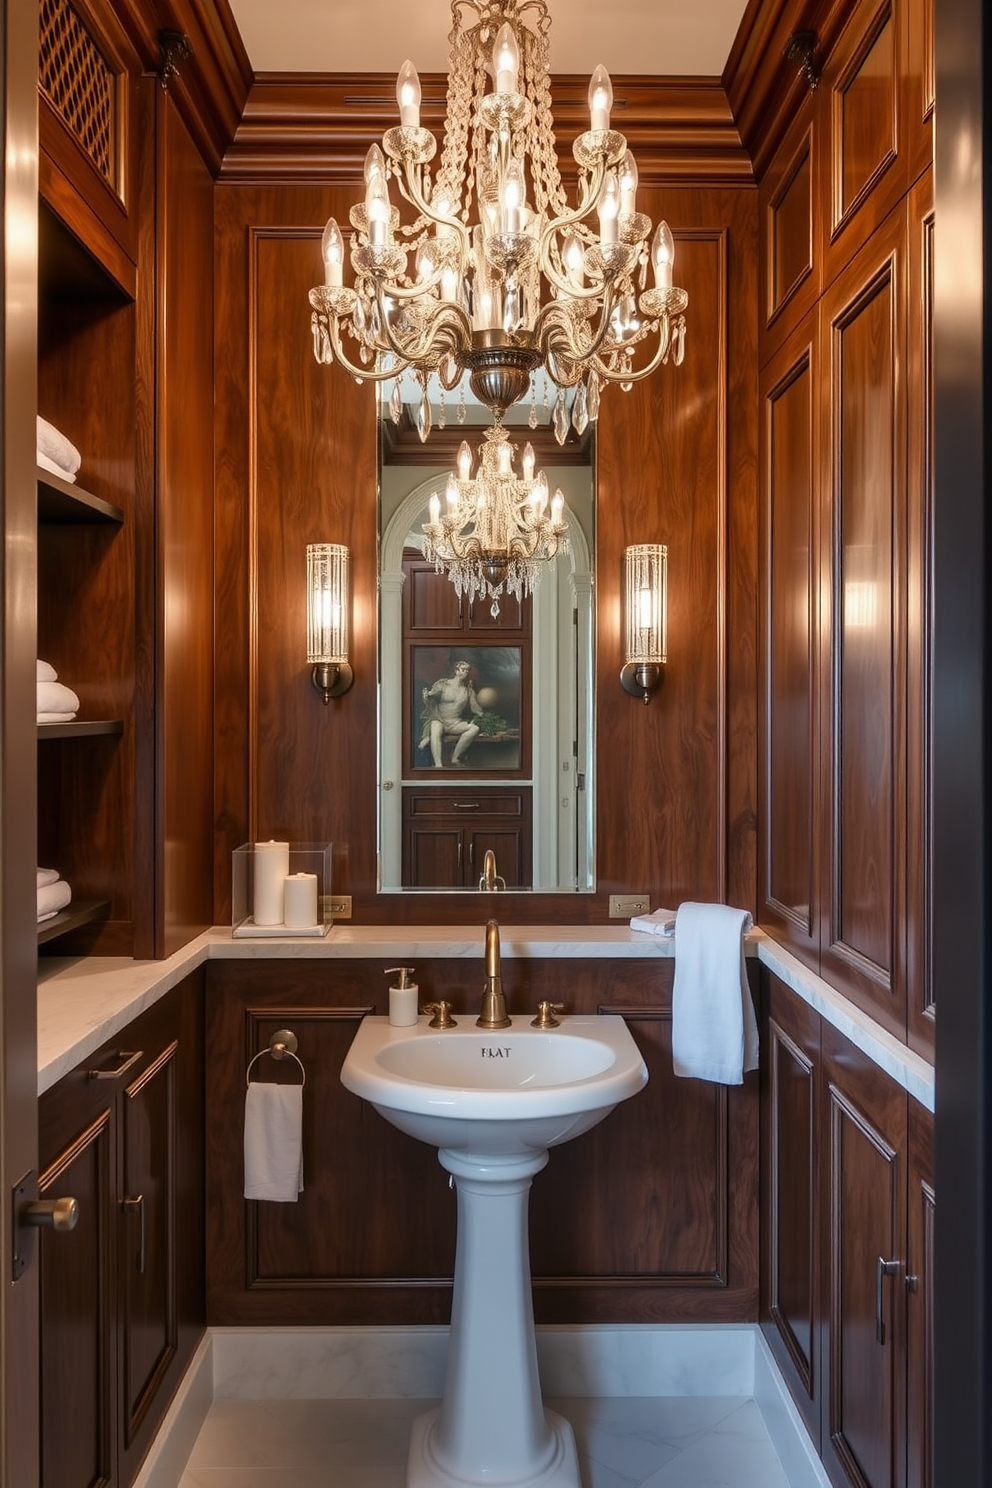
pixel 327 619
pixel 645 619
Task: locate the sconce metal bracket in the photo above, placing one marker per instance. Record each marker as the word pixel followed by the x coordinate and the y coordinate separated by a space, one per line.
pixel 800 49
pixel 641 679
pixel 332 679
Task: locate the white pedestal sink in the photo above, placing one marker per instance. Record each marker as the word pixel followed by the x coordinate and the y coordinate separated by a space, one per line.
pixel 493 1102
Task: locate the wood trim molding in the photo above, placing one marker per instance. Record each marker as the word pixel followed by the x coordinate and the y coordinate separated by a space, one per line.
pixel 309 126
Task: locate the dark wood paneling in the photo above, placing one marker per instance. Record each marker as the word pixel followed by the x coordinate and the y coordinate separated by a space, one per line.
pixel 788 201
pixel 863 572
pixel 864 1372
pixel 919 593
pixel 673 1232
pixel 790 1196
pixel 920 1300
pixel 789 882
pixel 290 470
pixel 184 660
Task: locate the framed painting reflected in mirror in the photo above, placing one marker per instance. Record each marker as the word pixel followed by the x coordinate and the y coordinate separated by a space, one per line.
pixel 467 707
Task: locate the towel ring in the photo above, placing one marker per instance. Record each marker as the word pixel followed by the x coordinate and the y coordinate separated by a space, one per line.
pixel 282 1045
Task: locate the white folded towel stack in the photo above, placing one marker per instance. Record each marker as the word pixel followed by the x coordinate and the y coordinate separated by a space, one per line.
pixel 658 922
pixel 273 1142
pixel 55 452
pixel 56 702
pixel 52 896
pixel 47 876
pixel 714 1030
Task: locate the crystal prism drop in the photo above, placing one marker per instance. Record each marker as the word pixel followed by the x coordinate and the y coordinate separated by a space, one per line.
pixel 424 418
pixel 396 403
pixel 358 317
pixel 592 395
pixel 561 420
pixel 580 410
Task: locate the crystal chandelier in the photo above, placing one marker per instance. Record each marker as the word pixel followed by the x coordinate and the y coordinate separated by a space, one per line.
pixel 497 529
pixel 496 276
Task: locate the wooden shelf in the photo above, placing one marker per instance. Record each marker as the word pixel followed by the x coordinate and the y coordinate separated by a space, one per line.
pixel 62 502
pixel 85 728
pixel 72 917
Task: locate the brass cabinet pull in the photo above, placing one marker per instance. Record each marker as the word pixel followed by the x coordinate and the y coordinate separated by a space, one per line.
pixel 127 1060
pixel 883 1268
pixel 464 805
pixel 51 1214
pixel 136 1205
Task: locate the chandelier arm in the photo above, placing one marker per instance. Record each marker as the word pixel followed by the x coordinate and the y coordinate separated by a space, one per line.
pixel 589 201
pixel 448 324
pixel 412 291
pixel 361 374
pixel 630 375
pixel 552 315
pixel 413 194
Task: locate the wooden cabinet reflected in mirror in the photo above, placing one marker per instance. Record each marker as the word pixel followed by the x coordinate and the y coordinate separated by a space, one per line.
pixel 485 721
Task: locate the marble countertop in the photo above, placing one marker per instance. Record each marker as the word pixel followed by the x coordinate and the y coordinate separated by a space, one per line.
pixel 82 1002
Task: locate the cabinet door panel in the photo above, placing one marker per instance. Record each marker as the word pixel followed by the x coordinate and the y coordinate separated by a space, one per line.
pixel 920 1300
pixel 149 1246
pixel 78 1353
pixel 864 1366
pixel 433 857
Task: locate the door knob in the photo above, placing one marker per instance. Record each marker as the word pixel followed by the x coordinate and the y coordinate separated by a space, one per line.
pixel 51 1214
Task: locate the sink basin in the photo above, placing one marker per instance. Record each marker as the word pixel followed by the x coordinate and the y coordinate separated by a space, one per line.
pixel 508 1091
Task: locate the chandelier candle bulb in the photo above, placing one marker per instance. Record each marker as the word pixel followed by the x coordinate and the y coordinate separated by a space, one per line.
pixel 506 59
pixel 628 186
pixel 600 98
pixel 271 864
pixel 663 256
pixel 332 252
pixel 378 209
pixel 300 898
pixel 608 211
pixel 408 95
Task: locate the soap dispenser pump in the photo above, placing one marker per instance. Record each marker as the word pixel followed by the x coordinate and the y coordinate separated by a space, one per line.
pixel 403 998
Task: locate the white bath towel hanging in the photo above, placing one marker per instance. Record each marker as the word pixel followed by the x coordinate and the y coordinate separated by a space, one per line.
pixel 714 1030
pixel 273 1142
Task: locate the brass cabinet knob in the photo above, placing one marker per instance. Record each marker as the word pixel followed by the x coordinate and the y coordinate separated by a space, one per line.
pixel 51 1214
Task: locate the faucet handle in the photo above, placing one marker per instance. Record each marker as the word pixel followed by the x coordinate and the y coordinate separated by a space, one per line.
pixel 546 1015
pixel 442 1014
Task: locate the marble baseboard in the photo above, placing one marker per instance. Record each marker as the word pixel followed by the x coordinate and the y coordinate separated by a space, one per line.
pixel 593 1362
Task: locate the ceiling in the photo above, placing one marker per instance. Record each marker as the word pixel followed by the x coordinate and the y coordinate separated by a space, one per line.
pixel 666 37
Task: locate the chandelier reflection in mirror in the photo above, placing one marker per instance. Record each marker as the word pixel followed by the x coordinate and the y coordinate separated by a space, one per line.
pixel 498 529
pixel 497 276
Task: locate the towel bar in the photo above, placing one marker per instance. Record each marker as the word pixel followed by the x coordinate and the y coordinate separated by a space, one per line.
pixel 282 1045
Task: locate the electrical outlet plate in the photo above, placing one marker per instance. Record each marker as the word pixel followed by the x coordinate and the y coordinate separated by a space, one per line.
pixel 622 906
pixel 338 906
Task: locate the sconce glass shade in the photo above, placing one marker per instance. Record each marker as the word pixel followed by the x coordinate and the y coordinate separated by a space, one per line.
pixel 645 619
pixel 327 618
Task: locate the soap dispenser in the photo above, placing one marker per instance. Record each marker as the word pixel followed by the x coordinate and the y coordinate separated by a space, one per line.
pixel 402 998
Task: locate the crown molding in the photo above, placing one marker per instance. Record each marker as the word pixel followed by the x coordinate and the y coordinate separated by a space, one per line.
pixel 311 127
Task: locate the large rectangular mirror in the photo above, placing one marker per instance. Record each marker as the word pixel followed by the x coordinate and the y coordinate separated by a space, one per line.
pixel 485 721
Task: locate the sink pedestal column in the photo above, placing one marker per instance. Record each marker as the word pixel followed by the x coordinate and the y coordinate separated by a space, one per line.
pixel 491 1427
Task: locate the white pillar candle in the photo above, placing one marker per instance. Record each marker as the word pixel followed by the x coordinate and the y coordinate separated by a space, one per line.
pixel 301 901
pixel 271 868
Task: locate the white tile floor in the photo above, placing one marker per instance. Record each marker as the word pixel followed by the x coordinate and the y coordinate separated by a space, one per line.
pixel 694 1441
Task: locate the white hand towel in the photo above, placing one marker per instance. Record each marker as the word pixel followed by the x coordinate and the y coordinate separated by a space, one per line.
pixel 273 1142
pixel 55 697
pixel 52 898
pixel 44 462
pixel 53 443
pixel 714 1030
pixel 56 717
pixel 47 876
pixel 46 672
pixel 658 922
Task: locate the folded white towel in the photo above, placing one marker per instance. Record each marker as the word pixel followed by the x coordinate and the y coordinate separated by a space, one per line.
pixel 714 1030
pixel 46 672
pixel 45 463
pixel 56 717
pixel 47 876
pixel 658 922
pixel 53 443
pixel 273 1142
pixel 55 697
pixel 53 897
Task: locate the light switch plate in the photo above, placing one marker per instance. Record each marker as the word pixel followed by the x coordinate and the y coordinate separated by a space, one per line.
pixel 622 906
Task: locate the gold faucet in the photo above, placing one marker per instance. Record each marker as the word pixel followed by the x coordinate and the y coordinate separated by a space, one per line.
pixel 493 1013
pixel 490 880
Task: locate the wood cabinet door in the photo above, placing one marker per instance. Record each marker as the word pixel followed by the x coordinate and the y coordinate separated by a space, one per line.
pixel 864 1238
pixel 78 1144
